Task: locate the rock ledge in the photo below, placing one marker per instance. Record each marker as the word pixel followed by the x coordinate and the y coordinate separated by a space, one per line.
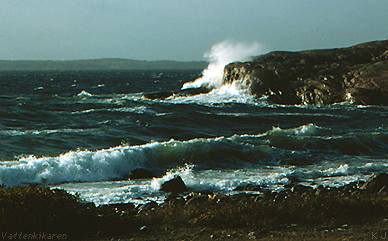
pixel 358 74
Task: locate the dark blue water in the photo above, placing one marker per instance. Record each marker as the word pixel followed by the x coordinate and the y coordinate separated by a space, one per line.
pixel 42 114
pixel 90 129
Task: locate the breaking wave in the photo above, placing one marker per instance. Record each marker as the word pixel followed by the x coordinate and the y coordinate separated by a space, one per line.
pixel 116 163
pixel 221 153
pixel 219 56
pixel 84 93
pixel 229 93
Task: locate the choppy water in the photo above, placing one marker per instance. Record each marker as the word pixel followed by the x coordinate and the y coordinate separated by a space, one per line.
pixel 86 131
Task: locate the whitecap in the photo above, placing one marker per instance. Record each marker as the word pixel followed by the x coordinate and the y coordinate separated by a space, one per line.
pixel 304 130
pixel 84 93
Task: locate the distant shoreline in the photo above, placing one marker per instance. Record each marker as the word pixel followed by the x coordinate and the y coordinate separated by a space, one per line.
pixel 98 64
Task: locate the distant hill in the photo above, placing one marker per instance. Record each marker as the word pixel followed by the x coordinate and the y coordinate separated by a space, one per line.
pixel 98 64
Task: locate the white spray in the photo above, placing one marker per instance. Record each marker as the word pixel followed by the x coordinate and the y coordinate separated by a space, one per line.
pixel 219 56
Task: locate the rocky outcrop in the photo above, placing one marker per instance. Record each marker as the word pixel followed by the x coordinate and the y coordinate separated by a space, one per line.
pixel 250 188
pixel 377 184
pixel 357 74
pixel 175 185
pixel 180 93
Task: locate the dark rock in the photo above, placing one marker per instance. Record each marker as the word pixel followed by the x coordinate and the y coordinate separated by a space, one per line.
pixel 369 84
pixel 301 189
pixel 180 93
pixel 141 173
pixel 197 199
pixel 158 95
pixel 192 91
pixel 357 74
pixel 148 206
pixel 120 208
pixel 250 187
pixel 175 185
pixel 377 184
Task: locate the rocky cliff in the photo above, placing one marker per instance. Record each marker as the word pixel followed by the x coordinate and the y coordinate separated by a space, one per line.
pixel 358 74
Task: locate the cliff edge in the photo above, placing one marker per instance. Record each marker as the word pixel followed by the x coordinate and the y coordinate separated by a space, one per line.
pixel 358 74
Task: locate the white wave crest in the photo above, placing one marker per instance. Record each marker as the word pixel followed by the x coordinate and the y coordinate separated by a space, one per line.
pixel 16 132
pixel 224 180
pixel 304 130
pixel 116 163
pixel 185 172
pixel 110 164
pixel 84 93
pixel 228 93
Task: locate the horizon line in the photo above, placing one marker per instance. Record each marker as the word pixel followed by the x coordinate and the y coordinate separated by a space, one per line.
pixel 103 58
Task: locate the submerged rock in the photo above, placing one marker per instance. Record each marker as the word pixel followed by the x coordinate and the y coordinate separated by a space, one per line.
pixel 357 74
pixel 180 93
pixel 175 185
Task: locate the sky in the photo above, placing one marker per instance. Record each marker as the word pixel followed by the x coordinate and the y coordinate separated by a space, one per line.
pixel 181 29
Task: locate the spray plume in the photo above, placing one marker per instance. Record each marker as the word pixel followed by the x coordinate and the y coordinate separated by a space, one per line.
pixel 218 57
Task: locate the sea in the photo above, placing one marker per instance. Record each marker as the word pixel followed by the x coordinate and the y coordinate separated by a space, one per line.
pixel 86 131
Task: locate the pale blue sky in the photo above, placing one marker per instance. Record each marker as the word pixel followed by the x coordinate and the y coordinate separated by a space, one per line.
pixel 180 29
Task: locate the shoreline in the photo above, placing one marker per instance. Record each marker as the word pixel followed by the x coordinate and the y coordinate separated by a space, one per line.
pixel 358 211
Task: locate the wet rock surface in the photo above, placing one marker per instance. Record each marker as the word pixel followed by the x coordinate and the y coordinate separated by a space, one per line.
pixel 357 74
pixel 175 185
pixel 180 93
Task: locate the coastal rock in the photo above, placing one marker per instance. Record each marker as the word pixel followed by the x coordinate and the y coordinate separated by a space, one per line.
pixel 298 188
pixel 175 185
pixel 179 93
pixel 377 184
pixel 369 84
pixel 357 74
pixel 197 199
pixel 141 173
pixel 146 208
pixel 250 188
